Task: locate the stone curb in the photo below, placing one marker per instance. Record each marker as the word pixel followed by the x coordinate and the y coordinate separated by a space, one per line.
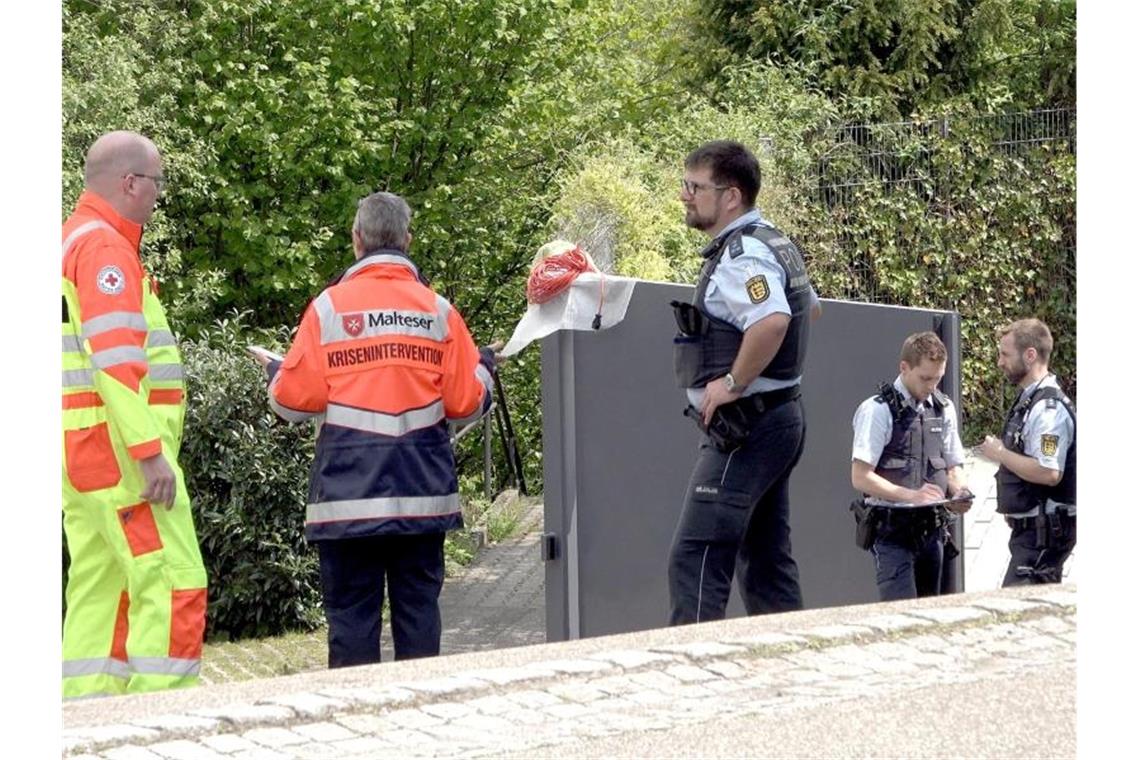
pixel 686 661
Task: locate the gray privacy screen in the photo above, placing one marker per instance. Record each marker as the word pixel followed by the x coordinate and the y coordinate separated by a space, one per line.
pixel 618 453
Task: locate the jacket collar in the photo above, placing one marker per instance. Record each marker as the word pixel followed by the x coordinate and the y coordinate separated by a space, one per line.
pixel 92 204
pixel 383 257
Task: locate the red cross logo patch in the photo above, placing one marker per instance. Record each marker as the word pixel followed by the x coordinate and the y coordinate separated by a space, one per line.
pixel 353 323
pixel 110 280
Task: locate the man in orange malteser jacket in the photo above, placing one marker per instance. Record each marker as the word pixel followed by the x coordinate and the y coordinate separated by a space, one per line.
pixel 386 362
pixel 136 587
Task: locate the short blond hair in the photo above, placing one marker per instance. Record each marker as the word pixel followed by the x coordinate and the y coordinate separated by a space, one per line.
pixel 1029 333
pixel 922 345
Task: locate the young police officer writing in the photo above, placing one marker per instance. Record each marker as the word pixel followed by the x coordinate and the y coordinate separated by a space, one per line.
pixel 906 458
pixel 1037 454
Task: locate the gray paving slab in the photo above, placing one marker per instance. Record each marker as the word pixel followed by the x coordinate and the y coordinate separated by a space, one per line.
pixel 499 601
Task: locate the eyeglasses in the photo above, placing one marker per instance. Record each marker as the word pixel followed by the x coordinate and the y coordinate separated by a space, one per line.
pixel 692 188
pixel 158 180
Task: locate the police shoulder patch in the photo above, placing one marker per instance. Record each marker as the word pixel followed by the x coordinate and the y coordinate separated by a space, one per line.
pixel 757 288
pixel 110 280
pixel 1049 445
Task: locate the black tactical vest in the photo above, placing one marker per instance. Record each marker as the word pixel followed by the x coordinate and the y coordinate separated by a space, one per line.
pixel 1017 495
pixel 707 346
pixel 913 456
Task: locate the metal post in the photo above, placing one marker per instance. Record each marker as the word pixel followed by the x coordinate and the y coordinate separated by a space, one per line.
pixel 487 456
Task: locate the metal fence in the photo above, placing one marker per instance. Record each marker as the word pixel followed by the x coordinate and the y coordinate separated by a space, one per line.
pixel 924 162
pixel 902 157
pixel 899 153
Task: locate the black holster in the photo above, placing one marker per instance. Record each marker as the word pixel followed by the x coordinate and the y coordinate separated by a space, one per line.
pixel 866 523
pixel 733 422
pixel 729 428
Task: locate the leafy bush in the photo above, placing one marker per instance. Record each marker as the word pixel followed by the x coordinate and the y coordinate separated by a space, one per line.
pixel 247 472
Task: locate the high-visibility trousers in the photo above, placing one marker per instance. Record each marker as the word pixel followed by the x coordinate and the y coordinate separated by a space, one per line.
pixel 136 586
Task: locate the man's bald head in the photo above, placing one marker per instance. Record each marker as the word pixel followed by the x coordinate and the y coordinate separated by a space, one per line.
pixel 117 165
pixel 115 154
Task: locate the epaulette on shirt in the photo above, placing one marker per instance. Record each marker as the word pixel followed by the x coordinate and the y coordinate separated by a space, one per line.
pixel 735 245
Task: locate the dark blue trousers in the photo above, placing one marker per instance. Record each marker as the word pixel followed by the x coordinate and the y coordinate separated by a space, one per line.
pixel 909 565
pixel 735 520
pixel 1047 563
pixel 353 573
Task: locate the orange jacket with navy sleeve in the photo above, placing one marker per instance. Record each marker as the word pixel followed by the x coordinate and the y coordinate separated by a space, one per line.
pixel 383 362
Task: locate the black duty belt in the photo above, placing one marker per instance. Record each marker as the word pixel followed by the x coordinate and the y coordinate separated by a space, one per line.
pixel 768 400
pixel 1029 523
pixel 907 517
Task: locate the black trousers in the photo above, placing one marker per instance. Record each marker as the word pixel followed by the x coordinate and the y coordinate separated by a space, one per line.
pixel 353 574
pixel 1047 562
pixel 735 521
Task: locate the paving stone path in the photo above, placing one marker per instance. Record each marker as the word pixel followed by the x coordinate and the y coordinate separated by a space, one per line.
pixel 745 669
pixel 498 601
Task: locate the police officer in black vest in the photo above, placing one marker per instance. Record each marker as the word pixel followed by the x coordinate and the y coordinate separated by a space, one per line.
pixel 739 353
pixel 1037 458
pixel 906 459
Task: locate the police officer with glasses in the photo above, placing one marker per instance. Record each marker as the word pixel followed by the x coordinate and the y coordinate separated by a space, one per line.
pixel 1036 457
pixel 739 354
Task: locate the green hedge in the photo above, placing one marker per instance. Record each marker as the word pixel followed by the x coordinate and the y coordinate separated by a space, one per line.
pixel 986 228
pixel 247 472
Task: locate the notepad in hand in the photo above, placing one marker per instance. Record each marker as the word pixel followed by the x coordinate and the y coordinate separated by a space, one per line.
pixel 272 356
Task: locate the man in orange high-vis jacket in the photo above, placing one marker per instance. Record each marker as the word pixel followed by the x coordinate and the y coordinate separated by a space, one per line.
pixel 136 587
pixel 385 363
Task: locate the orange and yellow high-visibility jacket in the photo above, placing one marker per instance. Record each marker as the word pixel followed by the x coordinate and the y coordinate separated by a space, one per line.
pixel 120 360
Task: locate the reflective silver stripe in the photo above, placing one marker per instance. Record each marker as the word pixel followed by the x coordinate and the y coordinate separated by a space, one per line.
pixel 384 424
pixel 382 258
pixel 377 322
pixel 112 356
pixel 94 666
pixel 75 378
pixel 382 508
pixel 114 320
pixel 165 371
pixel 484 377
pixel 284 412
pixel 71 344
pixel 325 311
pixel 158 338
pixel 82 230
pixel 165 666
pixel 469 419
pixel 443 306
